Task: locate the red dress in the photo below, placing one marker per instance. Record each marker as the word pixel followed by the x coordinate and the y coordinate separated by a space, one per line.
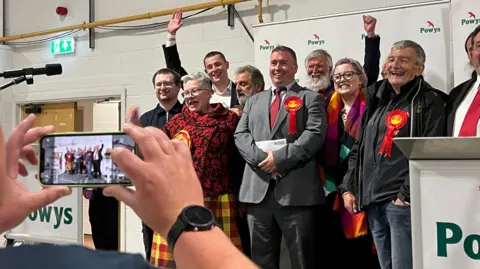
pixel 218 165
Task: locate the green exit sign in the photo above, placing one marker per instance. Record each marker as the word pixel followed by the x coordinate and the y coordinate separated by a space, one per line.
pixel 61 46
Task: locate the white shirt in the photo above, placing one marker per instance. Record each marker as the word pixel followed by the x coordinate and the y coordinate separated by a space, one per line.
pixel 463 109
pixel 225 98
pixel 283 93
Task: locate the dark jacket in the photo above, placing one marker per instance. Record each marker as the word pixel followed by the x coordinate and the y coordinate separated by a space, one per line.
pixel 455 98
pixel 426 108
pixel 172 59
pixel 68 257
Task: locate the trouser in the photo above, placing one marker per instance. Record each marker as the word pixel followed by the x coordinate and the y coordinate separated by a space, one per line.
pixel 103 213
pixel 268 221
pixel 96 169
pixel 390 225
pixel 147 240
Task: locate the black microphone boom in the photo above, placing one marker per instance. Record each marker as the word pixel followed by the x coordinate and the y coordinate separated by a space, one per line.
pixel 49 70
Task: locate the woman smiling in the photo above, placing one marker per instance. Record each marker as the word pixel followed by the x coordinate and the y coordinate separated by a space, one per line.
pixel 345 108
pixel 208 131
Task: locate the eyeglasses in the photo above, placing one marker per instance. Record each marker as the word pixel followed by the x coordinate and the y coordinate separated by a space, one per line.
pixel 165 84
pixel 347 76
pixel 192 93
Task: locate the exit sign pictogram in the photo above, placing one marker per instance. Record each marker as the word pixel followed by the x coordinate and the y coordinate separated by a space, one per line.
pixel 62 46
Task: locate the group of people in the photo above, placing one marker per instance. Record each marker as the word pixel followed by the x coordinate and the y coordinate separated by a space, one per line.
pixel 313 165
pixel 83 161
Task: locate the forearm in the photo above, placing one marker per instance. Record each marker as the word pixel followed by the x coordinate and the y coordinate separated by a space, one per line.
pixel 209 249
pixel 248 150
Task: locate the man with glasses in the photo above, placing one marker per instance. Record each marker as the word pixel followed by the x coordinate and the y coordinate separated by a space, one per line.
pixel 167 84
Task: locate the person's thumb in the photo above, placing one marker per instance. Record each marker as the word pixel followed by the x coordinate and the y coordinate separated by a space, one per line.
pixel 47 196
pixel 354 206
pixel 120 193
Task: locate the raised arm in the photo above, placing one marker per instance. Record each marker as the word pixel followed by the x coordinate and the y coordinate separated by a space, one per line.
pixel 372 50
pixel 170 51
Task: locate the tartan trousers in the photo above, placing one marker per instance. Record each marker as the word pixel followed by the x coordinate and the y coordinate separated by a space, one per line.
pixel 224 207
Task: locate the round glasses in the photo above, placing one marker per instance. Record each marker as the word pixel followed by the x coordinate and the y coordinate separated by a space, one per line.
pixel 347 76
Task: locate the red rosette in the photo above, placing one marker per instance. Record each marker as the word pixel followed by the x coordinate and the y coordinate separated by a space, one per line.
pixel 184 136
pixel 292 104
pixel 395 121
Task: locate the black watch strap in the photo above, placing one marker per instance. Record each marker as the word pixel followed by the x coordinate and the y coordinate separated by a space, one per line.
pixel 192 218
pixel 177 229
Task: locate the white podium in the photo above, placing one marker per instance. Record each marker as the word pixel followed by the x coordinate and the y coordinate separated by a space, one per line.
pixel 445 201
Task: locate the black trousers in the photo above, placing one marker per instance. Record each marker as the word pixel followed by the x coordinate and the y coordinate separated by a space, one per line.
pixel 147 240
pixel 242 225
pixel 269 221
pixel 103 213
pixel 96 168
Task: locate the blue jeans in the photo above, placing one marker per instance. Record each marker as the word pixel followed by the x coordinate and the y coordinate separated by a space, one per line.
pixel 390 225
pixel 89 169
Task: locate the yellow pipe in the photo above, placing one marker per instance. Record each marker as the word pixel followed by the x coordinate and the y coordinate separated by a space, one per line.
pixel 260 12
pixel 122 20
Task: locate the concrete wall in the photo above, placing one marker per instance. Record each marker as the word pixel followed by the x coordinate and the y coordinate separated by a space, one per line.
pixel 128 59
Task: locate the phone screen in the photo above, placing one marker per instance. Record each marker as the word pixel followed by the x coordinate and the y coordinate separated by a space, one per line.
pixel 82 159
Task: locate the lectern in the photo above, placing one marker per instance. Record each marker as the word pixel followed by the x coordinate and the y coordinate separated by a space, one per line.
pixel 445 201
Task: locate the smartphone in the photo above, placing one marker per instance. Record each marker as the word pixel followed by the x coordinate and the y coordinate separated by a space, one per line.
pixel 82 159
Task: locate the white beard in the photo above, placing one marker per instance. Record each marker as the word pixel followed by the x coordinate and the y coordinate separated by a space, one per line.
pixel 317 84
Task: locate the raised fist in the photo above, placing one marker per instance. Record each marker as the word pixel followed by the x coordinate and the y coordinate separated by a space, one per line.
pixel 369 24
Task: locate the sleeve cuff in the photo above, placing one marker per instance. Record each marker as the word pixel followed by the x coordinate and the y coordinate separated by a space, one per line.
pixel 171 40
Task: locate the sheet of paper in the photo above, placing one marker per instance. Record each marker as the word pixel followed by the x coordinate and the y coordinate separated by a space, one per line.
pixel 271 144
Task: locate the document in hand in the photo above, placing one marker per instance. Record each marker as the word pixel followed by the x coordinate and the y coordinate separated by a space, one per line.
pixel 272 145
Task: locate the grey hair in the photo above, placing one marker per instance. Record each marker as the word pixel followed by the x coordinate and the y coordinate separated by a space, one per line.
pixel 320 52
pixel 419 52
pixel 203 81
pixel 255 74
pixel 358 68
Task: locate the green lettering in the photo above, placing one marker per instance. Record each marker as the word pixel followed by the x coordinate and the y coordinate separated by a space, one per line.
pixel 44 213
pixel 443 240
pixel 68 216
pixel 468 246
pixel 58 217
pixel 33 216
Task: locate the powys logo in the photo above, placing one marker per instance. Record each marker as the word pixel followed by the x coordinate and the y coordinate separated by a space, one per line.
pixel 45 214
pixel 430 29
pixel 449 233
pixel 472 19
pixel 266 46
pixel 316 41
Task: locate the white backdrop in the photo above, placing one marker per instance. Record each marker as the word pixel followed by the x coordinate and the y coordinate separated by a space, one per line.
pixel 343 36
pixel 465 17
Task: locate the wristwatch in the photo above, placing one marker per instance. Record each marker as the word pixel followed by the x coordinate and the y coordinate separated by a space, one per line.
pixel 193 218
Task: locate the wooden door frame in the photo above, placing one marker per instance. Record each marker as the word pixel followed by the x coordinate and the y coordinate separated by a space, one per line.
pixel 43 97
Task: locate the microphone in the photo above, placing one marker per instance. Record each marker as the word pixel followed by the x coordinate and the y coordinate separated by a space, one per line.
pixel 49 70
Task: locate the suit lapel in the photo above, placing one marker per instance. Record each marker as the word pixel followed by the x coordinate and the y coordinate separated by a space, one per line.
pixel 282 114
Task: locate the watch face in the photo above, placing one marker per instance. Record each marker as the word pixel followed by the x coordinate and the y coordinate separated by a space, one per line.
pixel 198 215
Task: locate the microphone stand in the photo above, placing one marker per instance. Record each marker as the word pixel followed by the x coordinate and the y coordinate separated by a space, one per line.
pixel 26 77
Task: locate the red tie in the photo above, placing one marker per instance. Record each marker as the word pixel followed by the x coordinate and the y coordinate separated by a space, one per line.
pixel 275 106
pixel 469 126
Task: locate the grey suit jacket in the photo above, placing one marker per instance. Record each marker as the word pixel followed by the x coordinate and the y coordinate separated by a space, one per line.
pixel 300 184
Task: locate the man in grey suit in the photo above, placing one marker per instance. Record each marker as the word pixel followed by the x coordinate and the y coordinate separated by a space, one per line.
pixel 279 133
